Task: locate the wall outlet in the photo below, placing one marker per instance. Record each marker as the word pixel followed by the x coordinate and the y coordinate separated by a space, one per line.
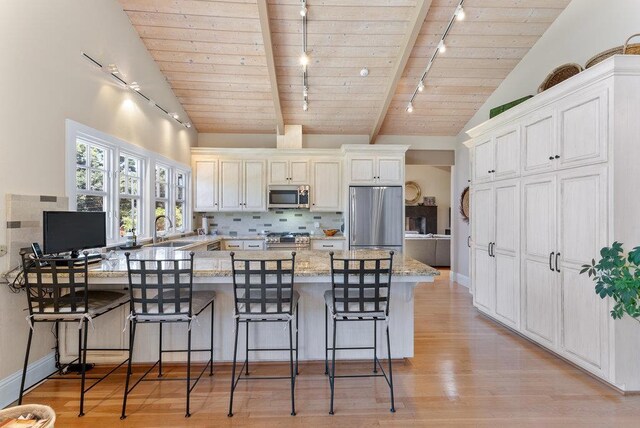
pixel 3 250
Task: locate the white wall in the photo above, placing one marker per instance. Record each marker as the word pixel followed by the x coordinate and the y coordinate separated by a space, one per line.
pixel 583 29
pixel 460 262
pixel 434 181
pixel 44 81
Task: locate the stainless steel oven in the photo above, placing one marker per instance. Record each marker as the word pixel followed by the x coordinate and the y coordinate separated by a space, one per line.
pixel 289 196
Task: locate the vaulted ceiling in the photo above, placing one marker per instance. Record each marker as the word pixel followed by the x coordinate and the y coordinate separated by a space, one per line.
pixel 234 64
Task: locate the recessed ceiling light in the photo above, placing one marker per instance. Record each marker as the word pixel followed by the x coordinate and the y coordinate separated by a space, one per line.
pixel 364 72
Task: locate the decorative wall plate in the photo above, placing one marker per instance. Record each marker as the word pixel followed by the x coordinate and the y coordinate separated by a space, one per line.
pixel 464 204
pixel 412 192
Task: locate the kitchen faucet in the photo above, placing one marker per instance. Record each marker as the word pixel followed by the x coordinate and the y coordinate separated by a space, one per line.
pixel 155 226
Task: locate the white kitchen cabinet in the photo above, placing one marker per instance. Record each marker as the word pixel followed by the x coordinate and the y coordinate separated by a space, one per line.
pixel 288 171
pixel 372 169
pixel 498 156
pixel 582 232
pixel 205 185
pixel 243 244
pixel 326 190
pixel 575 199
pixel 242 185
pixel 327 244
pixel 538 143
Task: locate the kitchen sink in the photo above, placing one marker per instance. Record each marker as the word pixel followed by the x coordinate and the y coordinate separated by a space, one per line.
pixel 173 244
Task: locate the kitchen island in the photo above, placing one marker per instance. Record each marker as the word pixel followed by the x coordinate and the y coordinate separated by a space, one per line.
pixel 212 271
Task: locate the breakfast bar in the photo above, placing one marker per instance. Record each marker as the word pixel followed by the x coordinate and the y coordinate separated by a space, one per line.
pixel 212 271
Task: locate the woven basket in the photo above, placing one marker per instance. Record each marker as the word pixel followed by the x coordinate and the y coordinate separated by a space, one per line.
pixel 559 75
pixel 41 411
pixel 626 49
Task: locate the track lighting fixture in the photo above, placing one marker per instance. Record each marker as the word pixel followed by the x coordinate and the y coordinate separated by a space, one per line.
pixel 458 15
pixel 113 71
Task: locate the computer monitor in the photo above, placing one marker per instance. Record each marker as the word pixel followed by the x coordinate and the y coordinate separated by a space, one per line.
pixel 73 231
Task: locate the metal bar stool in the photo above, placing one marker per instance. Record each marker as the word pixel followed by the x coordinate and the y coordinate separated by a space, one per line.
pixel 58 292
pixel 360 291
pixel 263 291
pixel 162 292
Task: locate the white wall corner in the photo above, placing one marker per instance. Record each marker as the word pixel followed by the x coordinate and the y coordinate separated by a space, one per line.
pixel 10 385
pixel 460 279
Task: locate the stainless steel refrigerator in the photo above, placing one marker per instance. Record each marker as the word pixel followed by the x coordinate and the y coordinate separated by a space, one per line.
pixel 375 218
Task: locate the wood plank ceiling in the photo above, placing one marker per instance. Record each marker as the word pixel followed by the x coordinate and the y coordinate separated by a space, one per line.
pixel 213 55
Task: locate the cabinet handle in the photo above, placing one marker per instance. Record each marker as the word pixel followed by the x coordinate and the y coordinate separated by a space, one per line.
pixel 557 156
pixel 327 246
pixel 551 158
pixel 551 258
pixel 557 255
pixel 469 241
pixel 489 249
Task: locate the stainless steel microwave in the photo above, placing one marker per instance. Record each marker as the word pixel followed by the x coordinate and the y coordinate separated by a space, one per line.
pixel 288 196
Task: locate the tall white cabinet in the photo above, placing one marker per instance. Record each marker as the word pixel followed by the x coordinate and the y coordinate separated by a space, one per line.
pixel 554 181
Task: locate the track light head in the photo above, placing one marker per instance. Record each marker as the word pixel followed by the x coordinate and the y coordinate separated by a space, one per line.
pixel 410 107
pixel 421 86
pixel 442 48
pixel 460 15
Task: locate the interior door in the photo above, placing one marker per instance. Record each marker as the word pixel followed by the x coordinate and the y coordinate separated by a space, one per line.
pixel 582 205
pixel 230 185
pixel 539 144
pixel 483 161
pixel 206 185
pixel 539 290
pixel 507 251
pixel 326 186
pixel 483 219
pixel 255 190
pixel 299 172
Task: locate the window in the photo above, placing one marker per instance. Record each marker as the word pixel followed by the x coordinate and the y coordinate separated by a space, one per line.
pixel 131 184
pixel 180 200
pixel 162 197
pixel 130 193
pixel 92 178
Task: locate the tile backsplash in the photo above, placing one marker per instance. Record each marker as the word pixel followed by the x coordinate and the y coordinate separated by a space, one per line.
pixel 244 223
pixel 24 220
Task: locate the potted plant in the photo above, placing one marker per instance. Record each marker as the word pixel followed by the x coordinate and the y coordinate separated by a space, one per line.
pixel 618 276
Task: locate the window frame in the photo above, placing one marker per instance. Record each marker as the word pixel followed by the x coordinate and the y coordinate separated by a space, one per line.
pixel 141 196
pixel 148 160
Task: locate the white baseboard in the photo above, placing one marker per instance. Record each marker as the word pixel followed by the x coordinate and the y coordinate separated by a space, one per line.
pixel 10 385
pixel 460 279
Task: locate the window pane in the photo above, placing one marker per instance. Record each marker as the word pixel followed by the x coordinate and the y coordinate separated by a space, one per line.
pixel 179 216
pixel 180 180
pixel 161 190
pixel 97 180
pixel 123 184
pixel 90 203
pixel 134 186
pixel 133 167
pixel 81 153
pixel 122 164
pixel 129 215
pixel 81 178
pixel 161 174
pixel 161 209
pixel 180 193
pixel 97 158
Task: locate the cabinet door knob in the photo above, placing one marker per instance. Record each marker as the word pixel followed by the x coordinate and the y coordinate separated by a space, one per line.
pixel 551 158
pixel 557 156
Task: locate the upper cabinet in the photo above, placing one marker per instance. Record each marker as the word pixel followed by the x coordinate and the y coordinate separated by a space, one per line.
pixel 498 156
pixel 326 193
pixel 242 185
pixel 289 171
pixel 205 185
pixel 372 169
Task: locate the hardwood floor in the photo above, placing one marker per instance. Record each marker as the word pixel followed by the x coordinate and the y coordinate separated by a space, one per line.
pixel 467 371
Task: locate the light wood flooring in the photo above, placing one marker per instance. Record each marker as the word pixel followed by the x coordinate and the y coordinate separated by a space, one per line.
pixel 467 371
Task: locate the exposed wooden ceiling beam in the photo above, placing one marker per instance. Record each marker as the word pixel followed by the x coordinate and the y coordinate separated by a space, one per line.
pixel 416 21
pixel 265 26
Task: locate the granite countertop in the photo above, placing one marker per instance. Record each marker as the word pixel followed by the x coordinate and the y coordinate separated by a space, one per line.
pixel 411 236
pixel 309 263
pixel 337 236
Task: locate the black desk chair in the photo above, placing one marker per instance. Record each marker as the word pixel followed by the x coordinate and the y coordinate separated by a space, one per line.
pixel 162 292
pixel 360 291
pixel 263 291
pixel 58 292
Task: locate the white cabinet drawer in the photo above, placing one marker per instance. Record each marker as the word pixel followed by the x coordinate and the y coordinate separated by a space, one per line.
pixel 327 245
